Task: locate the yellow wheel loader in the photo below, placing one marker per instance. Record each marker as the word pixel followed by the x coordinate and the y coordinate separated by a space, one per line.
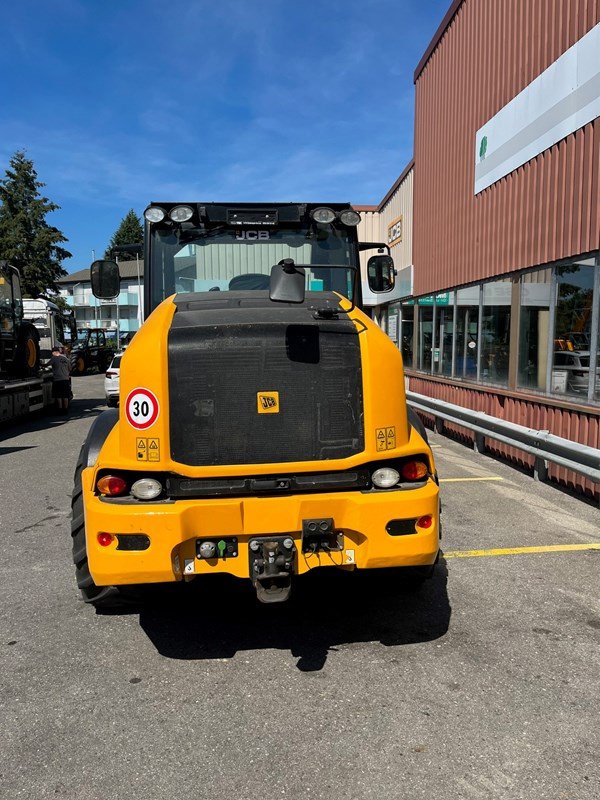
pixel 263 429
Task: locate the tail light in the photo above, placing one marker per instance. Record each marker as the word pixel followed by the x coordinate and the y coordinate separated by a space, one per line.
pixel 425 522
pixel 105 539
pixel 110 374
pixel 413 470
pixel 111 486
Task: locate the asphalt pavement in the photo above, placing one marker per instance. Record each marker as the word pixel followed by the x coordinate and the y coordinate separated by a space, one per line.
pixel 483 684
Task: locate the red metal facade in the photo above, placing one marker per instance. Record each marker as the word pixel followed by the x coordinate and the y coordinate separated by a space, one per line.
pixel 578 425
pixel 547 209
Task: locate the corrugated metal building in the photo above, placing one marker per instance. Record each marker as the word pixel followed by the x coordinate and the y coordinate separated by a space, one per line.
pixel 505 308
pixel 390 222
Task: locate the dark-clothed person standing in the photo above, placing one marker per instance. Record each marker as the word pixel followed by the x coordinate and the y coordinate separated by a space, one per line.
pixel 61 387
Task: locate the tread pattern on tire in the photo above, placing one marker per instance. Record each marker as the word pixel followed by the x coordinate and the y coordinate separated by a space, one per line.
pixel 99 596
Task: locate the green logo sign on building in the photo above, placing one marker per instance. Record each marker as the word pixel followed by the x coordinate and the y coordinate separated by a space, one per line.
pixel 483 148
pixel 441 299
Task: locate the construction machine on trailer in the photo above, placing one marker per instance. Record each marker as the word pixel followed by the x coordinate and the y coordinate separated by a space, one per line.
pixel 23 387
pixel 263 429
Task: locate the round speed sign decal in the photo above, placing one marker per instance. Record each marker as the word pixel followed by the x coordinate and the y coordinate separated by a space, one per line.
pixel 141 408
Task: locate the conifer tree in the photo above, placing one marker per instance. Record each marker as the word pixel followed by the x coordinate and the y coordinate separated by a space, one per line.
pixel 27 241
pixel 130 231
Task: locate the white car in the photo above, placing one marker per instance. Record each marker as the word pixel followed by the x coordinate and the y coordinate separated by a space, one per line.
pixel 111 381
pixel 576 363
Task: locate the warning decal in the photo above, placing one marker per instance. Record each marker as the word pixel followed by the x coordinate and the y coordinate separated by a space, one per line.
pixel 141 408
pixel 142 449
pixel 385 438
pixel 153 450
pixel 147 449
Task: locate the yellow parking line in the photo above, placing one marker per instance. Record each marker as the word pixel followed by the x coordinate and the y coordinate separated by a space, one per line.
pixel 457 480
pixel 515 551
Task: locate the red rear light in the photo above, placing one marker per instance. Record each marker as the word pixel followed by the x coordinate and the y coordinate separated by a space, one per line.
pixel 105 539
pixel 111 374
pixel 413 470
pixel 111 485
pixel 425 522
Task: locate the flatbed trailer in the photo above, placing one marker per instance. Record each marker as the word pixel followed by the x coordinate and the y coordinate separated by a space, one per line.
pixel 22 396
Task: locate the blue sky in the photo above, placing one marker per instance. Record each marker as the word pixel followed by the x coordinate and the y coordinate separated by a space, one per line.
pixel 121 103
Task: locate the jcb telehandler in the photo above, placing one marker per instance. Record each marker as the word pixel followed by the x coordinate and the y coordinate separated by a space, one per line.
pixel 263 428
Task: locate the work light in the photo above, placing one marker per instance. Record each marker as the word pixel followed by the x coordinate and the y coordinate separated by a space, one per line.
pixel 154 214
pixel 350 217
pixel 323 215
pixel 181 213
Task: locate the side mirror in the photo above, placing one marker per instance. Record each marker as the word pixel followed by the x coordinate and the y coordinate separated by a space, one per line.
pixel 381 274
pixel 287 284
pixel 105 279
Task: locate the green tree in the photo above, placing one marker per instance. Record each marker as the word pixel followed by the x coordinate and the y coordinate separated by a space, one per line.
pixel 130 231
pixel 27 241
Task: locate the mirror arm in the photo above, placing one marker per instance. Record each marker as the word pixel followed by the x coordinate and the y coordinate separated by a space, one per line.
pixel 362 246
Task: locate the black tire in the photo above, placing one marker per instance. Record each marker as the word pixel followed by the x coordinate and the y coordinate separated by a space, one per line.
pixel 415 422
pixel 27 356
pixel 101 597
pixel 416 576
pixel 78 363
pixel 112 402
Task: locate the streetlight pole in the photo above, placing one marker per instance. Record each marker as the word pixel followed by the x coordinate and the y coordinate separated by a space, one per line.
pixel 140 302
pixel 96 304
pixel 118 320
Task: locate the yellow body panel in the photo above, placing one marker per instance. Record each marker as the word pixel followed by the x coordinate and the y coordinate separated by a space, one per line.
pixel 174 527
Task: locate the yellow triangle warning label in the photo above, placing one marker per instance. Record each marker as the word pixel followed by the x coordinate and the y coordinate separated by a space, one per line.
pixel 153 445
pixel 141 444
pixel 381 433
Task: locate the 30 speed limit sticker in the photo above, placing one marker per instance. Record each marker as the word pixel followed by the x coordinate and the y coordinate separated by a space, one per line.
pixel 141 408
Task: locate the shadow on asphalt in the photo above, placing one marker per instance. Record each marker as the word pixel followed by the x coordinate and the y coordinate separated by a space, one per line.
pixel 50 418
pixel 219 616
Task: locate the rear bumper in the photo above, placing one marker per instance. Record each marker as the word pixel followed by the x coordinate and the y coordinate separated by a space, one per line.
pixel 174 527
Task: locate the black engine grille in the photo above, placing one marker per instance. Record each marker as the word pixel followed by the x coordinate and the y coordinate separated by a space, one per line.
pixel 216 371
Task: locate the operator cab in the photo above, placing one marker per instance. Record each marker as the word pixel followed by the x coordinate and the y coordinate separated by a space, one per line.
pixel 283 249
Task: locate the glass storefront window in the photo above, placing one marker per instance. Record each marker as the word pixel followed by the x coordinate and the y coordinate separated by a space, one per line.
pixel 392 323
pixel 572 329
pixel 425 337
pixel 442 354
pixel 536 294
pixel 597 384
pixel 495 332
pixel 406 335
pixel 467 332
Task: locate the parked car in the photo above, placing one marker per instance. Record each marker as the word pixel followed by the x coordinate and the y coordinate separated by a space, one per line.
pixel 576 363
pixel 111 381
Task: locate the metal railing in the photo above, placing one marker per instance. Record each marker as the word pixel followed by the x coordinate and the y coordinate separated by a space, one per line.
pixel 543 445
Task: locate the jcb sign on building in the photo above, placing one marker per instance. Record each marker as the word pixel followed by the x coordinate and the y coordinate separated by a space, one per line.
pixel 395 231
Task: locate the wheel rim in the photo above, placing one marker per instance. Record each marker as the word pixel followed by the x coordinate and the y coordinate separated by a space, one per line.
pixel 31 353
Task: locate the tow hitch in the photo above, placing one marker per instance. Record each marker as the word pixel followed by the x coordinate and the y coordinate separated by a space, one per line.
pixel 271 567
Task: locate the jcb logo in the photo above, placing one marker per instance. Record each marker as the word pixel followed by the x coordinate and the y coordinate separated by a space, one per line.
pixel 267 402
pixel 253 236
pixel 395 231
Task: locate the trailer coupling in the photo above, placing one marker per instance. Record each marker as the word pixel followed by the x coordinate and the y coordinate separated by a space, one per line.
pixel 272 558
pixel 271 567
